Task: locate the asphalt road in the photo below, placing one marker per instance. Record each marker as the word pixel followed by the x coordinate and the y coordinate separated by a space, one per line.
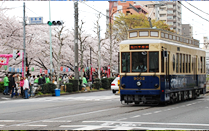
pixel 101 111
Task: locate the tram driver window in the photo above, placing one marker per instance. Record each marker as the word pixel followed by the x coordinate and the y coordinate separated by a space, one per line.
pixel 125 61
pixel 139 62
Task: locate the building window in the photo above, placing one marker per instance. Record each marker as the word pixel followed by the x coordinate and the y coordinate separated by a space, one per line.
pixel 170 11
pixel 170 23
pixel 170 6
pixel 183 28
pixel 170 17
pixel 162 15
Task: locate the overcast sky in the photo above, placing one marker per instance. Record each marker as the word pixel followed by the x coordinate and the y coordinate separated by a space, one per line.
pixel 64 10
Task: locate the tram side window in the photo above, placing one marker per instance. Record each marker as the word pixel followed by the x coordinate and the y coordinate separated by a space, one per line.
pixel 183 63
pixel 199 65
pixel 125 61
pixel 177 63
pixel 162 62
pixel 139 62
pixel 204 65
pixel 174 62
pixel 180 62
pixel 153 62
pixel 189 63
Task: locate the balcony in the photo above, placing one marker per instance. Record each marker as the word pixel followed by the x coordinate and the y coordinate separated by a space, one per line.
pixel 162 12
pixel 174 14
pixel 163 18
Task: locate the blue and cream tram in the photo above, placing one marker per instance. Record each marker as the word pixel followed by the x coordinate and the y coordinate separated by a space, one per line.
pixel 160 66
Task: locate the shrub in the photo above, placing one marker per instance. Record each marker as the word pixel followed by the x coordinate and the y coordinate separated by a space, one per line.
pixel 1 86
pixel 97 84
pixel 69 87
pixel 75 84
pixel 48 88
pixel 105 83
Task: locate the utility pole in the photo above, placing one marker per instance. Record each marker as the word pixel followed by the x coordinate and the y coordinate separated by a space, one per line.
pixel 50 37
pixel 99 54
pixel 24 70
pixel 110 45
pixel 76 41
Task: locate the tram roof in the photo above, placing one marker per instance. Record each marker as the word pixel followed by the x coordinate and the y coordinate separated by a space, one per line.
pixel 153 41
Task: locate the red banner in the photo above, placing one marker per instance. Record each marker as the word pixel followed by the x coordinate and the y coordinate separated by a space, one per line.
pixel 108 71
pixel 91 74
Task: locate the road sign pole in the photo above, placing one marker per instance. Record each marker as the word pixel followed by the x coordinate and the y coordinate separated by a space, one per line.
pixel 50 37
pixel 24 69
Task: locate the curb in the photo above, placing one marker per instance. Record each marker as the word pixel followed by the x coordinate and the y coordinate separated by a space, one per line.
pixel 67 93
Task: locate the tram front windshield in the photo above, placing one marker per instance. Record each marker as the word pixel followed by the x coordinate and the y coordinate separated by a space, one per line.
pixel 140 61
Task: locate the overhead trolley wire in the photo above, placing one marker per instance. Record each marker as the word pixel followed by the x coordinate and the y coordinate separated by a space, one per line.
pixel 193 12
pixel 197 8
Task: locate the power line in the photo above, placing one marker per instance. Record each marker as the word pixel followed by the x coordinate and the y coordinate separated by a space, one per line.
pixel 194 12
pixel 196 8
pixel 33 12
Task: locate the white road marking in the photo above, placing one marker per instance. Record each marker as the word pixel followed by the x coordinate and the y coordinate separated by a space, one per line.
pixel 158 111
pixel 94 127
pixel 15 120
pixel 54 121
pixel 121 119
pixel 188 104
pixel 135 116
pixel 146 114
pixel 151 123
pixel 31 125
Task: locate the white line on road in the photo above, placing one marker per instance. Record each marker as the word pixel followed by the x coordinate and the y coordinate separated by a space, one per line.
pixel 121 119
pixel 31 125
pixel 188 104
pixel 135 116
pixel 86 113
pixel 146 114
pixel 54 121
pixel 152 123
pixel 94 127
pixel 15 120
pixel 158 111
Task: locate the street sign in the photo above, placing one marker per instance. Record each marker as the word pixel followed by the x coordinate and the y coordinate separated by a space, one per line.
pixel 36 20
pixel 14 54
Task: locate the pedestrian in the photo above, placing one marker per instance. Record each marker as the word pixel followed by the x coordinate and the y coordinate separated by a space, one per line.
pixel 26 87
pixel 43 79
pixel 6 85
pixel 48 79
pixel 21 87
pixel 13 85
pixel 32 79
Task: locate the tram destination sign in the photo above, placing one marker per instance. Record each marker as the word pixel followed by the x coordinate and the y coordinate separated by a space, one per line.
pixel 139 47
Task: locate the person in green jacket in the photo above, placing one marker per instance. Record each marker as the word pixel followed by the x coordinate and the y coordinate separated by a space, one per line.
pixel 48 79
pixel 6 84
pixel 36 80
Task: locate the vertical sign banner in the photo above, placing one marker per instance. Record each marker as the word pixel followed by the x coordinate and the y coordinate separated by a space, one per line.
pixel 108 71
pixel 91 73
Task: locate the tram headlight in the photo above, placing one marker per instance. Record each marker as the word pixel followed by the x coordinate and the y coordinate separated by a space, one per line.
pixel 123 85
pixel 138 83
pixel 156 85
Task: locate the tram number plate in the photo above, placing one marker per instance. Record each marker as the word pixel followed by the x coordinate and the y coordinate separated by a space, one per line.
pixel 139 78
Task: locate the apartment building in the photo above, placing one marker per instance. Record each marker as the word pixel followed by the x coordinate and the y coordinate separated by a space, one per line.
pixel 187 30
pixel 171 14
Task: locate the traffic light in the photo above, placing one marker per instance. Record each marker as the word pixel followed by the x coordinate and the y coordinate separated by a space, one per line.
pixel 55 22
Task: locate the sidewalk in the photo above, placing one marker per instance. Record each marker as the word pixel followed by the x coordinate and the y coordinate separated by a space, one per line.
pixel 8 97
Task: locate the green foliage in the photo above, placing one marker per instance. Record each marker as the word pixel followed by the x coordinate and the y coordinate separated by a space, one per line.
pixel 125 22
pixel 48 88
pixel 76 84
pixel 105 83
pixel 97 84
pixel 69 87
pixel 39 93
pixel 1 86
